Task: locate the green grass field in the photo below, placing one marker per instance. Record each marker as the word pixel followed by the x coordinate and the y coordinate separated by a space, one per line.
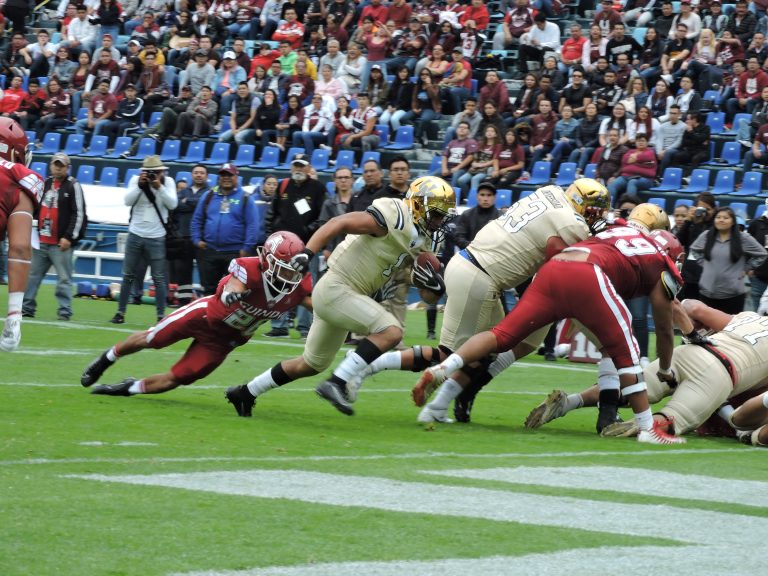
pixel 178 484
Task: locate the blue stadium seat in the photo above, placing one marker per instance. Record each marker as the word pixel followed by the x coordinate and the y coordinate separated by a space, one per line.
pixel 256 181
pixel 122 145
pixel 31 136
pixel 760 210
pixel 566 174
pixel 171 150
pixel 740 209
pixel 716 122
pixel 435 164
pixel 74 145
pixel 270 156
pixel 503 198
pixel 369 155
pixel 471 197
pixel 183 175
pixel 219 154
pixel 660 202
pixel 729 156
pixel 671 181
pixel 751 185
pixel 147 147
pixel 290 155
pixel 319 160
pixel 51 144
pixel 699 182
pixel 110 176
pixel 639 34
pixel 86 174
pixel 246 154
pixel 541 173
pixel 82 114
pixel 98 147
pixel 683 202
pixel 130 173
pixel 39 167
pixel 330 187
pixel 403 139
pixel 525 194
pixel 724 182
pixel 383 132
pixel 736 121
pixel 590 170
pixel 344 159
pixel 195 153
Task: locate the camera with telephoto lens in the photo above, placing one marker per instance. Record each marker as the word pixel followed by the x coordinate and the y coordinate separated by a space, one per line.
pixel 699 212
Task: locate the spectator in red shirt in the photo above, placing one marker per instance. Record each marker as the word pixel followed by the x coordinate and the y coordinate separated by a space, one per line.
pixel 102 108
pixel 291 30
pixel 638 170
pixel 543 126
pixel 751 84
pixel 400 12
pixel 573 48
pixel 517 22
pixel 478 12
pixel 12 97
pixel 375 10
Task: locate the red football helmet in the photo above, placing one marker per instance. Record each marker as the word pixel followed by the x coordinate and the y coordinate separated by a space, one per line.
pixel 276 254
pixel 670 245
pixel 14 145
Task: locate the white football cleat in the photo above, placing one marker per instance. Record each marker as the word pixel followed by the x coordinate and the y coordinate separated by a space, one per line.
pixel 429 415
pixel 553 407
pixel 11 336
pixel 656 435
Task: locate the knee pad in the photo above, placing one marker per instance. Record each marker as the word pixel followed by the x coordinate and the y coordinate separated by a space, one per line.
pixel 420 363
pixel 640 386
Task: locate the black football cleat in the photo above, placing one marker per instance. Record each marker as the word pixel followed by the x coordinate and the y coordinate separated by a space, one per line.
pixel 462 407
pixel 114 389
pixel 95 369
pixel 242 399
pixel 608 407
pixel 336 395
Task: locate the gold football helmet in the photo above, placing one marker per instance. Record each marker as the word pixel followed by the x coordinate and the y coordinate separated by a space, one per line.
pixel 648 217
pixel 589 198
pixel 432 203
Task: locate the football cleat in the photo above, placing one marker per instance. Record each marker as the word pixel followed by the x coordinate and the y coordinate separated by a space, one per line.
pixel 462 408
pixel 11 336
pixel 553 407
pixel 242 399
pixel 336 396
pixel 606 416
pixel 95 369
pixel 656 434
pixel 428 415
pixel 620 429
pixel 120 389
pixel 430 379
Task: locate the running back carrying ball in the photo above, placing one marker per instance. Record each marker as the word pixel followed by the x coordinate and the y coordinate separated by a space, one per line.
pixel 426 273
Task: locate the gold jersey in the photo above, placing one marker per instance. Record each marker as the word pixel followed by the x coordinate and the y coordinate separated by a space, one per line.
pixel 367 262
pixel 744 341
pixel 513 247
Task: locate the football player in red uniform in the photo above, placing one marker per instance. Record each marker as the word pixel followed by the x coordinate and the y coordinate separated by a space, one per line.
pixel 20 192
pixel 589 281
pixel 257 289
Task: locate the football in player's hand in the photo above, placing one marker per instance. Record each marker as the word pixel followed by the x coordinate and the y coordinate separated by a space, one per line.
pixel 424 257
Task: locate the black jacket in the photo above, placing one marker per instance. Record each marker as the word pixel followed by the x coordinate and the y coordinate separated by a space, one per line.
pixel 758 228
pixel 470 222
pixel 286 213
pixel 361 200
pixel 72 220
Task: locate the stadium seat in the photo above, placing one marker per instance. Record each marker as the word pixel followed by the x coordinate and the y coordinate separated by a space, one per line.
pixel 31 136
pixel 344 159
pixel 130 173
pixel 541 173
pixel 729 156
pixel 525 194
pixel 86 174
pixel 270 156
pixel 183 175
pixel 98 147
pixel 736 121
pixel 122 145
pixel 74 145
pixel 226 124
pixel 724 182
pixel 110 176
pixel 154 118
pixel 171 150
pixel 369 155
pixel 716 122
pixel 51 144
pixel 403 139
pixel 566 174
pixel 39 167
pixel 147 147
pixel 82 114
pixel 219 154
pixel 195 153
pixel 246 154
pixel 472 89
pixel 435 164
pixel 671 181
pixel 503 198
pixel 740 209
pixel 660 202
pixel 639 34
pixel 590 170
pixel 383 132
pixel 751 185
pixel 330 186
pixel 683 202
pixel 319 160
pixel 698 182
pixel 471 197
pixel 760 210
pixel 290 155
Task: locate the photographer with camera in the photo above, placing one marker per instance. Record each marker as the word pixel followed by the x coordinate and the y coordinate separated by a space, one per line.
pixel 151 196
pixel 700 219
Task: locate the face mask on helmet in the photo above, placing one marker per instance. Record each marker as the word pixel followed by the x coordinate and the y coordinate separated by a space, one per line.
pixel 276 254
pixel 590 199
pixel 432 202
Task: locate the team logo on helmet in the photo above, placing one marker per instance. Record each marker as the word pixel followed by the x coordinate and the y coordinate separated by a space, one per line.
pixel 432 203
pixel 276 255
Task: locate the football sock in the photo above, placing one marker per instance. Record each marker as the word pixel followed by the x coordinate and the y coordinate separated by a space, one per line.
pixel 573 402
pixel 365 353
pixel 268 380
pixel 502 362
pixel 607 375
pixel 449 390
pixel 137 387
pixel 387 361
pixel 644 419
pixel 112 354
pixel 15 300
pixel 725 412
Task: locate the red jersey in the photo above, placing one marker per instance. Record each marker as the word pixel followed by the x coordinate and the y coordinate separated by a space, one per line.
pixel 16 179
pixel 248 314
pixel 631 260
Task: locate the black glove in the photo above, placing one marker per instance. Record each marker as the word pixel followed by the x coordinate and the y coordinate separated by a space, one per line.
pixel 669 379
pixel 427 278
pixel 694 337
pixel 300 262
pixel 230 298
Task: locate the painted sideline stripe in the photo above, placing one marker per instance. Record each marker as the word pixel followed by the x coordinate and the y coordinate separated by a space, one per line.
pixel 627 561
pixel 626 480
pixel 406 456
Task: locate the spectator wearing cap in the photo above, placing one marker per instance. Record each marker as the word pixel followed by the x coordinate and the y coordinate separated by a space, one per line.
pixel 100 110
pixel 291 30
pixel 199 116
pixel 242 116
pixel 225 225
pixel 61 223
pixel 198 73
pixel 693 21
pixel 314 130
pixel 128 116
pixel 81 33
pixel 226 80
pixel 151 196
pixel 110 17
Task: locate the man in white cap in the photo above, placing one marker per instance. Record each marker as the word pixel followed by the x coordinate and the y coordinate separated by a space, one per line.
pixel 225 82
